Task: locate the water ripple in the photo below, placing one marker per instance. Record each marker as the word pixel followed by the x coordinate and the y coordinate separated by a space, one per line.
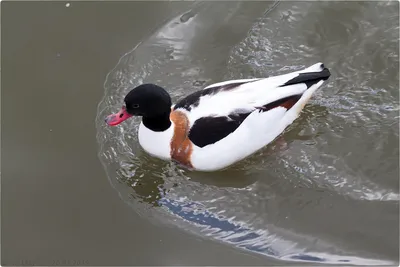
pixel 304 196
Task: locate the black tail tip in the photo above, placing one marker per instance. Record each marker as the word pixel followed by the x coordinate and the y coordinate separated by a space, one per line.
pixel 325 72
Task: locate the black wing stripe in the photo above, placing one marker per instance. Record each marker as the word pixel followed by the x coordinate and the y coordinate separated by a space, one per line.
pixel 309 78
pixel 209 130
pixel 287 102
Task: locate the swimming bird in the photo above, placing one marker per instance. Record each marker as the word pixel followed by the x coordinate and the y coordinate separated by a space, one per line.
pixel 225 122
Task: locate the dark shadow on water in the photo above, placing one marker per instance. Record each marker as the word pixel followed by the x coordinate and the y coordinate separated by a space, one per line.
pixel 247 238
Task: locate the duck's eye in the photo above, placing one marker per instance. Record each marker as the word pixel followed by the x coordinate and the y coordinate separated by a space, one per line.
pixel 135 105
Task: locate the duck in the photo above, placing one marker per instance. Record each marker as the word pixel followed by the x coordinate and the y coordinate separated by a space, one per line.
pixel 221 124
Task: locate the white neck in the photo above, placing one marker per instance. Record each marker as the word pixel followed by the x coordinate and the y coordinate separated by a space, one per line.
pixel 156 144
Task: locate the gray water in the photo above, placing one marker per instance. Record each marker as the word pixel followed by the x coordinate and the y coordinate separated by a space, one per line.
pixel 326 191
pixel 330 193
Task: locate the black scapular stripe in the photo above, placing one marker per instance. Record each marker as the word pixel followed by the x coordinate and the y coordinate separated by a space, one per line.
pixel 193 99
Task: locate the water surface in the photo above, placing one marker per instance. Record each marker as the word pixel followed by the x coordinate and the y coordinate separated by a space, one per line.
pixel 57 205
pixel 327 190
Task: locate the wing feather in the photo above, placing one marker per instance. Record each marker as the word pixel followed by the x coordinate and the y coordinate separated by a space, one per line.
pixel 219 109
pixel 191 101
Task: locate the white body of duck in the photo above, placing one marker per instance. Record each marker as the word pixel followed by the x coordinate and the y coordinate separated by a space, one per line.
pixel 228 121
pixel 222 124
